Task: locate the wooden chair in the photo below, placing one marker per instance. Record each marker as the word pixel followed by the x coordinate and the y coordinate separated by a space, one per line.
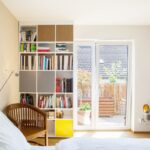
pixel 30 120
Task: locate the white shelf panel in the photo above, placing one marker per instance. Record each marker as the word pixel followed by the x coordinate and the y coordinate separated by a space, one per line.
pixel 59 93
pixel 64 119
pixel 64 70
pixel 57 52
pixel 27 92
pixel 28 42
pixel 42 53
pixel 47 70
pixel 45 93
pixel 44 42
pixel 51 119
pixel 61 42
pixel 27 53
pixel 28 70
pixel 65 109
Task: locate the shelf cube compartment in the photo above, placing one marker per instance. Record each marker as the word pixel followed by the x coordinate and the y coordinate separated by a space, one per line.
pixel 27 81
pixel 42 84
pixel 64 128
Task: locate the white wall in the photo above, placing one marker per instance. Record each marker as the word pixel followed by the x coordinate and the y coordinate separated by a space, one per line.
pixel 8 56
pixel 141 76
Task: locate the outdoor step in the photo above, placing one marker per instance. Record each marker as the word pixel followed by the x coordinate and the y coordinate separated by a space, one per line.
pixel 106 103
pixel 107 100
pixel 106 109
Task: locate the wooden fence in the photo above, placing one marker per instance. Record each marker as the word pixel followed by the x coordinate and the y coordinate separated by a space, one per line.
pixel 112 99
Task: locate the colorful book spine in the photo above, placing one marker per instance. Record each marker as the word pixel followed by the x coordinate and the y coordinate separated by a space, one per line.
pixel 46 101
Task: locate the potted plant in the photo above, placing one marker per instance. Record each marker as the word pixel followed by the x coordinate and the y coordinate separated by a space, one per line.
pixel 84 113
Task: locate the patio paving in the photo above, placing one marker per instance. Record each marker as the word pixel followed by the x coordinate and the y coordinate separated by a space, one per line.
pixel 117 120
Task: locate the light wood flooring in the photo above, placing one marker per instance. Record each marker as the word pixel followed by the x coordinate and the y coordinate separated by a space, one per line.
pixel 100 134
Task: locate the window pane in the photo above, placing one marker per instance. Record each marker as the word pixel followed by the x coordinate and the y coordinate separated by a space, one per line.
pixel 84 59
pixel 113 75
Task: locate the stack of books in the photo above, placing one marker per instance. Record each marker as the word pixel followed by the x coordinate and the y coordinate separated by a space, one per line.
pixel 64 62
pixel 26 99
pixel 43 49
pixel 46 62
pixel 27 62
pixel 61 47
pixel 46 101
pixel 28 36
pixel 63 102
pixel 64 85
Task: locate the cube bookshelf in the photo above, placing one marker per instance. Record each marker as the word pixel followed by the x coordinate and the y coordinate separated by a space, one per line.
pixel 46 73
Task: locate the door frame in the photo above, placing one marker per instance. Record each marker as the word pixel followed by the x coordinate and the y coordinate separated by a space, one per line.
pixel 93 44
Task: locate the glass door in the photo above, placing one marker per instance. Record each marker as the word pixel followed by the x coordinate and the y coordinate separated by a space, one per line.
pixel 102 85
pixel 84 79
pixel 112 72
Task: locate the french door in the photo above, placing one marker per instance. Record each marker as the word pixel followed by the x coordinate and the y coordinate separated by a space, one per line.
pixel 102 83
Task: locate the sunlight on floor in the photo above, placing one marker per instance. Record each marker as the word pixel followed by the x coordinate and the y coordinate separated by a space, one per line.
pixel 99 134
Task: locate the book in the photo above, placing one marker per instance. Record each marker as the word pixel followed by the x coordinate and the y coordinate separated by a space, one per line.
pixel 46 62
pixel 43 50
pixel 23 36
pixel 26 99
pixel 64 101
pixel 64 62
pixel 60 62
pixel 33 47
pixel 58 85
pixel 46 101
pixel 64 84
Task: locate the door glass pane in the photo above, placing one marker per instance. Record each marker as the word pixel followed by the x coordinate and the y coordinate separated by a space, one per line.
pixel 84 85
pixel 113 76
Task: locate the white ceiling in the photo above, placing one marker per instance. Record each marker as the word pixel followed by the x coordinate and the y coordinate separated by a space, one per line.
pixel 99 12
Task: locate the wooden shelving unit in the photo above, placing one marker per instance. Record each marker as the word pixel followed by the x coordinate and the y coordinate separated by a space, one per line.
pixel 46 73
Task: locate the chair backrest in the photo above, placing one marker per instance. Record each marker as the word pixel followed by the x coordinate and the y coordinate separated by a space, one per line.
pixel 26 116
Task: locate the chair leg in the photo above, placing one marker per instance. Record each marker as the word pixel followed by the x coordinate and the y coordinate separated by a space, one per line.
pixel 46 139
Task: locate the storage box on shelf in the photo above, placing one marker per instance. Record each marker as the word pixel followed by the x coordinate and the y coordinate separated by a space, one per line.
pixel 46 74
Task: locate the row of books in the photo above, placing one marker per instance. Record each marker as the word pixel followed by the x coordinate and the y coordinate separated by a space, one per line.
pixel 27 47
pixel 27 62
pixel 26 99
pixel 64 62
pixel 28 36
pixel 64 85
pixel 46 101
pixel 64 102
pixel 46 62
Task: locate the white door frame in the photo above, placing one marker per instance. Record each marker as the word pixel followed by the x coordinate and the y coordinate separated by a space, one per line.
pixel 93 44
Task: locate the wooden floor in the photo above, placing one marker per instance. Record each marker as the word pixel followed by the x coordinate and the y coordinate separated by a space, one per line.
pixel 102 134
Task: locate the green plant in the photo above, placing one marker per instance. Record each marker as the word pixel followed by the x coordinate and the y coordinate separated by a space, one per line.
pixel 113 72
pixel 85 107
